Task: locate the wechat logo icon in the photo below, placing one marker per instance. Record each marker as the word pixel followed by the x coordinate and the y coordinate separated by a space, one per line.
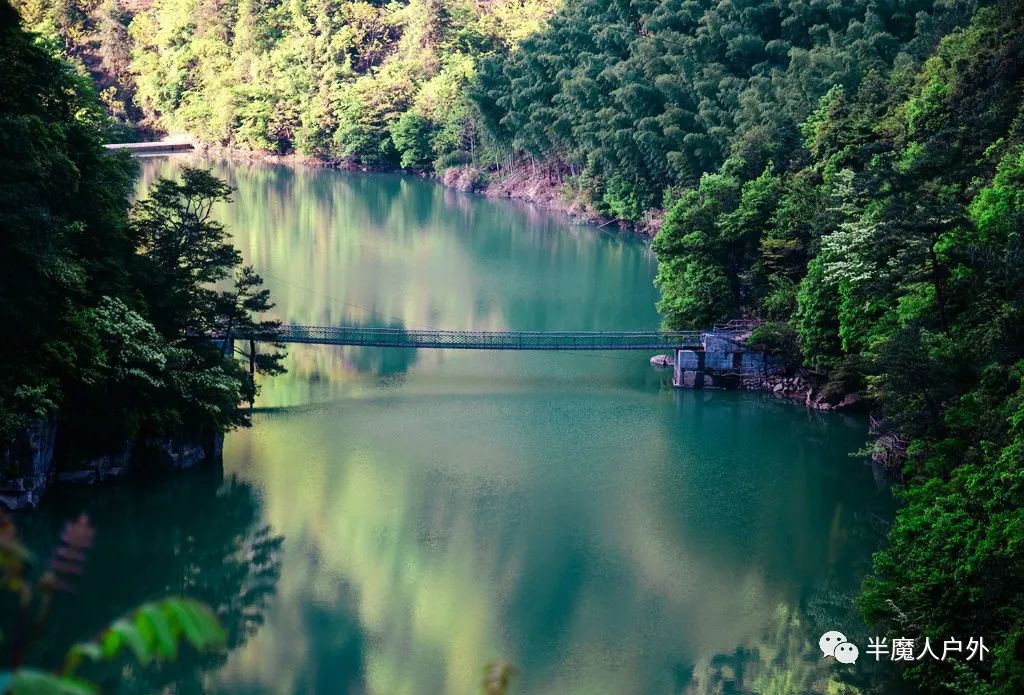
pixel 833 643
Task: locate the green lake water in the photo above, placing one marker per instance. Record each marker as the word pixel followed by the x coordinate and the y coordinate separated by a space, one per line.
pixel 395 519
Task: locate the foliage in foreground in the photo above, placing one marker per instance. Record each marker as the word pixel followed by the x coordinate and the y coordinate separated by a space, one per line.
pixel 153 631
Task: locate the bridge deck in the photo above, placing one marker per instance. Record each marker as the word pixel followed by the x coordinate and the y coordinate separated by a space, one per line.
pixel 487 340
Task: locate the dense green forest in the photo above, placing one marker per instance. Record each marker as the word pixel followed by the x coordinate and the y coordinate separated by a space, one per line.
pixel 364 82
pixel 100 302
pixel 636 100
pixel 849 173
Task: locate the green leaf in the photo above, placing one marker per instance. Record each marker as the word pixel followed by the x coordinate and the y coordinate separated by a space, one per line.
pixel 28 681
pixel 73 685
pixel 121 633
pixel 82 650
pixel 87 650
pixel 154 624
pixel 210 629
pixel 154 631
pixel 112 640
pixel 191 627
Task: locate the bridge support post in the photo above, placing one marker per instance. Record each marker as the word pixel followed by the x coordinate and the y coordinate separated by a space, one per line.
pixel 688 371
pixel 252 372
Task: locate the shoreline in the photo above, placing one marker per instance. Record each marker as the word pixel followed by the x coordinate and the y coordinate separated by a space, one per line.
pixel 40 462
pixel 522 184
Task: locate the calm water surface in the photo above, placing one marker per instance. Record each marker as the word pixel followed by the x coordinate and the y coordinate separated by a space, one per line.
pixel 397 519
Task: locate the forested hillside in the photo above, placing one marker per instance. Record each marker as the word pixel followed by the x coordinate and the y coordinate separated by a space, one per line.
pixel 100 302
pixel 364 82
pixel 638 99
pixel 850 173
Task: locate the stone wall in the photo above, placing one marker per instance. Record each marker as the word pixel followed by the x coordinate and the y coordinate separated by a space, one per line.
pixel 721 363
pixel 28 465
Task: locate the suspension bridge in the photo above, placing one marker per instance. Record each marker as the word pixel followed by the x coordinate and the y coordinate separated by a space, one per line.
pixel 480 340
pixel 715 354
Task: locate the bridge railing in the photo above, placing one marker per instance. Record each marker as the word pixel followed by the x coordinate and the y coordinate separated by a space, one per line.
pixel 488 340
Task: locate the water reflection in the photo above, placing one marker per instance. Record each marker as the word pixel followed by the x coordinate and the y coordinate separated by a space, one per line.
pixel 199 535
pixel 568 512
pixel 686 548
pixel 339 249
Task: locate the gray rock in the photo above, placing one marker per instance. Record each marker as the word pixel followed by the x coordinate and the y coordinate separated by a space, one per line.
pixel 169 453
pixel 181 452
pixel 77 477
pixel 26 465
pixel 849 400
pixel 108 466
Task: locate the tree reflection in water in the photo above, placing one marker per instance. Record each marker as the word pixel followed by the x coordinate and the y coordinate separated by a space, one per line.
pixel 194 534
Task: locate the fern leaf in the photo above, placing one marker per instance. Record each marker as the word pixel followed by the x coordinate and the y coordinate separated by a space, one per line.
pixel 177 612
pixel 209 629
pixel 29 681
pixel 160 634
pixel 153 631
pixel 123 633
